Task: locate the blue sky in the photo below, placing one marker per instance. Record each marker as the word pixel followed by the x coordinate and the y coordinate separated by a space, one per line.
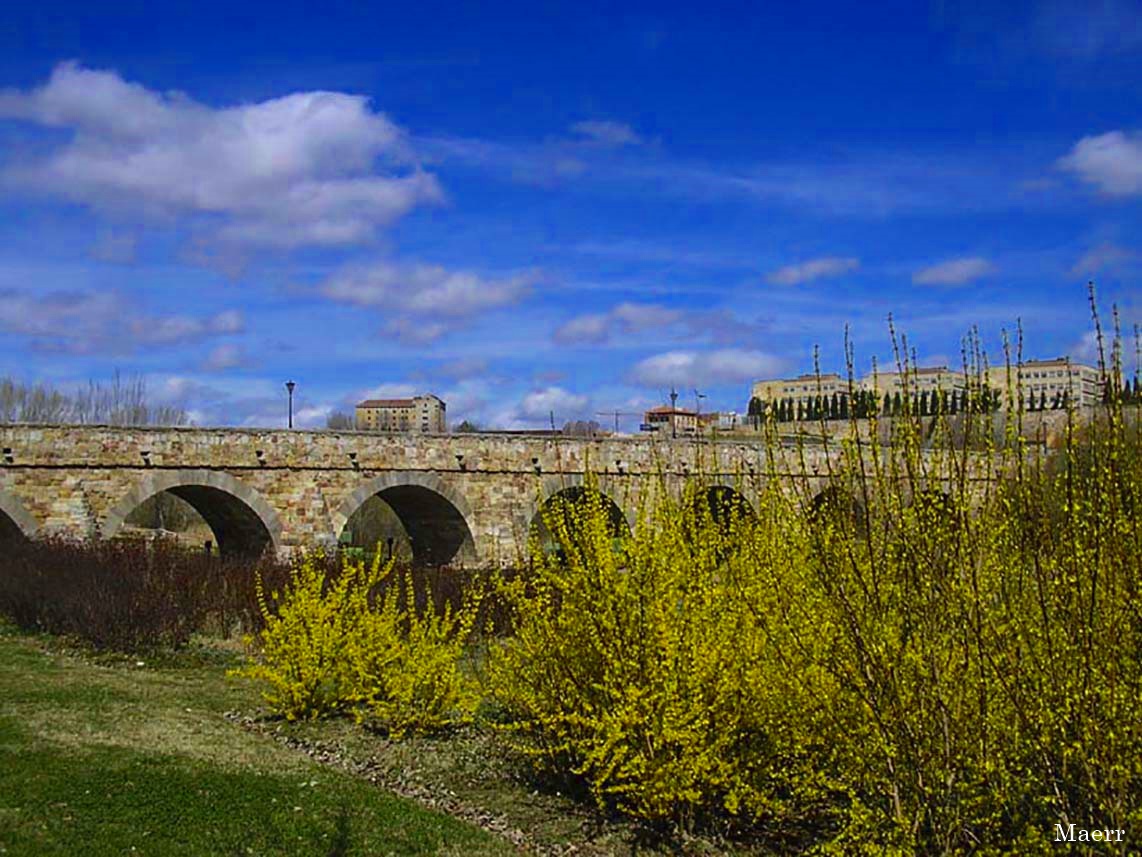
pixel 553 207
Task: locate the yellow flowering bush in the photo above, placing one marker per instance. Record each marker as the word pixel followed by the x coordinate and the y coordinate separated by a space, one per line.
pixel 939 653
pixel 406 665
pixel 644 672
pixel 305 650
pixel 353 642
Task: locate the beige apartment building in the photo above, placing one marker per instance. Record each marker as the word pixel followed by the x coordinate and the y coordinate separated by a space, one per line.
pixel 418 415
pixel 918 381
pixel 1046 379
pixel 801 389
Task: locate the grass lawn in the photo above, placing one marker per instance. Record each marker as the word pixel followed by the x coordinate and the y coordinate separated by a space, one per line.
pixel 106 756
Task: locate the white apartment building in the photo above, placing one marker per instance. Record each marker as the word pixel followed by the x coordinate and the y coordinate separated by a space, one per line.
pixel 926 380
pixel 1048 379
pixel 802 389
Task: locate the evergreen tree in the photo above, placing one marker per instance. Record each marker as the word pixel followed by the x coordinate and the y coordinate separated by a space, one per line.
pixel 1043 400
pixel 897 404
pixel 844 404
pixel 755 410
pixel 924 403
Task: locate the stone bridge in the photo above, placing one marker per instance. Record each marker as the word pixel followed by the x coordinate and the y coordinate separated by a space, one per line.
pixel 464 498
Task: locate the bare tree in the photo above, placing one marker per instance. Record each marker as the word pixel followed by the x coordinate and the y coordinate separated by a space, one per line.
pixel 120 403
pixel 340 421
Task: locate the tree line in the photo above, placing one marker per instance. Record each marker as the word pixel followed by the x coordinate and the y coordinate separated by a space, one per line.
pixel 867 403
pixel 118 403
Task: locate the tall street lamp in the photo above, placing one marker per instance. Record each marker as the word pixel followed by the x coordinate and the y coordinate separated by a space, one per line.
pixel 289 386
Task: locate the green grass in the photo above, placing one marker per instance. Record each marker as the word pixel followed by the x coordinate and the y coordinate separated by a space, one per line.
pixel 102 756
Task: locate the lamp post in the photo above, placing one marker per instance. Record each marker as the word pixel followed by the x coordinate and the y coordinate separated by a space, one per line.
pixel 289 386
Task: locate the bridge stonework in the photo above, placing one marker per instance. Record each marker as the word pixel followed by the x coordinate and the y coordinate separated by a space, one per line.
pixel 467 498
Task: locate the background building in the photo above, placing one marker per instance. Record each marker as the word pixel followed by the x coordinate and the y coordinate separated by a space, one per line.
pixel 1049 381
pixel 1043 385
pixel 667 420
pixel 800 390
pixel 419 415
pixel 918 381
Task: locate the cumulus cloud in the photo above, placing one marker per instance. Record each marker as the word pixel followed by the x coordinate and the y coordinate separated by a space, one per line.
pixel 1103 257
pixel 729 365
pixel 297 170
pixel 589 329
pixel 953 272
pixel 83 323
pixel 225 357
pixel 426 289
pixel 540 403
pixel 814 269
pixel 428 299
pixel 719 325
pixel 608 133
pixel 594 328
pixel 1112 162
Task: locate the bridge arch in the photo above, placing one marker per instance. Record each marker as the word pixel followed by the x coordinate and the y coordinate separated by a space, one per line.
pixel 563 496
pixel 724 502
pixel 15 521
pixel 242 521
pixel 556 484
pixel 435 515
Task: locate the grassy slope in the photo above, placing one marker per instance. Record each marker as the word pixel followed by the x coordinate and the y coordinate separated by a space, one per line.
pixel 113 758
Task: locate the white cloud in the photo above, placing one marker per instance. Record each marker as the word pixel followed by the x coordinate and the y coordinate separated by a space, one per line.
pixel 633 318
pixel 608 133
pixel 415 331
pixel 429 300
pixel 814 269
pixel 953 272
pixel 425 289
pixel 626 319
pixel 313 416
pixel 1085 350
pixel 1103 257
pixel 87 322
pixel 1111 161
pixel 592 328
pixel 685 368
pixel 539 404
pixel 595 328
pixel 297 170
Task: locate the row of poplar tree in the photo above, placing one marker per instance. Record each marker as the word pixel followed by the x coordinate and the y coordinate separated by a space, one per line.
pixel 866 403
